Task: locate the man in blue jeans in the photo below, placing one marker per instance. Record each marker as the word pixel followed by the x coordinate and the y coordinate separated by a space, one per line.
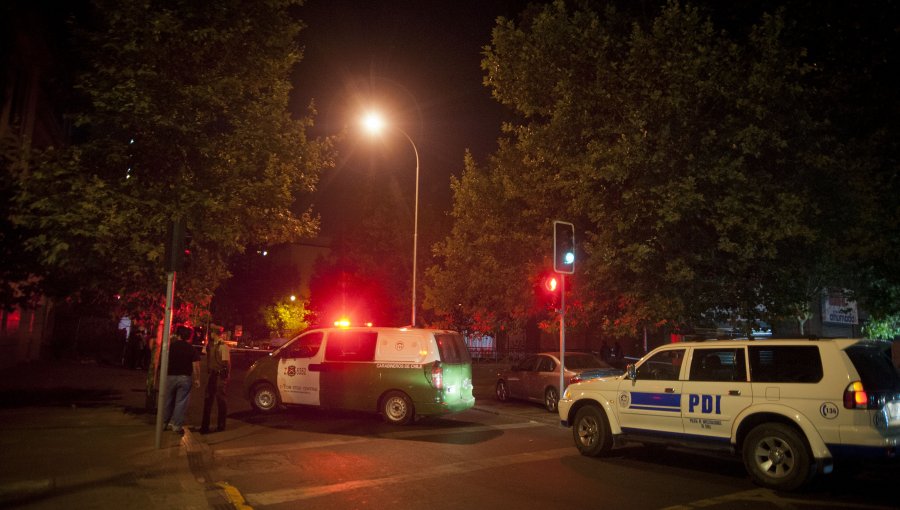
pixel 184 363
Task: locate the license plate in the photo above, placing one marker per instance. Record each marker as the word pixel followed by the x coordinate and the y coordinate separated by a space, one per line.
pixel 892 413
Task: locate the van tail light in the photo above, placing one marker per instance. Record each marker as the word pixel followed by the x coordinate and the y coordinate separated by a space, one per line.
pixel 575 379
pixel 855 396
pixel 437 375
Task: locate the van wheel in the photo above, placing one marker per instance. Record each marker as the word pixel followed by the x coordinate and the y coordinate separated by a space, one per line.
pixel 776 457
pixel 502 391
pixel 591 431
pixel 397 408
pixel 264 398
pixel 551 399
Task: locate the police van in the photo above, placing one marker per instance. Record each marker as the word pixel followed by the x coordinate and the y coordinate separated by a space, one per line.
pixel 790 408
pixel 402 373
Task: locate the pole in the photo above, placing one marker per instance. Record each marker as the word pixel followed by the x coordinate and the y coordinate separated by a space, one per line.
pixel 562 335
pixel 164 356
pixel 415 228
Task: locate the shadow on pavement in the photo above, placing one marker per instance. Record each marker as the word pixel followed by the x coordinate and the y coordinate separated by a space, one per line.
pixel 55 397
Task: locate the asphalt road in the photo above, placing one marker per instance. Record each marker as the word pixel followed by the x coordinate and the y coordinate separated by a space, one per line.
pixel 80 436
pixel 511 455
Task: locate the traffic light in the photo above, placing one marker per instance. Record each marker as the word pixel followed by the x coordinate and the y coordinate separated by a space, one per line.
pixel 563 247
pixel 174 260
pixel 178 246
pixel 551 283
pixel 551 290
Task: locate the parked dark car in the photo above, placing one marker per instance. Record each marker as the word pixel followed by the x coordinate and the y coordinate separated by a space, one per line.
pixel 536 377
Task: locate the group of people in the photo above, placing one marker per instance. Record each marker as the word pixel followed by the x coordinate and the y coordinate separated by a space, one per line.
pixel 136 347
pixel 610 353
pixel 183 375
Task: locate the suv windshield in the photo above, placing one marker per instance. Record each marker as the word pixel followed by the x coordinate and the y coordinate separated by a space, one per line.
pixel 874 366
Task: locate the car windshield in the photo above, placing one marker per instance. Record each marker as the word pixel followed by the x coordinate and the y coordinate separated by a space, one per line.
pixel 580 361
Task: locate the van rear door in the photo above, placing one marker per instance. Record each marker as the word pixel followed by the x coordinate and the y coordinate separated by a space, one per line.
pixel 456 367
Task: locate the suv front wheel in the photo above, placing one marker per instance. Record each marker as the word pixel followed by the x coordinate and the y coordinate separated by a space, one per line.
pixel 590 431
pixel 776 457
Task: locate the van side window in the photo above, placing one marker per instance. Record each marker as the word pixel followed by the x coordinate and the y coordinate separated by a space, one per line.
pixel 785 363
pixel 452 348
pixel 351 346
pixel 718 365
pixel 304 347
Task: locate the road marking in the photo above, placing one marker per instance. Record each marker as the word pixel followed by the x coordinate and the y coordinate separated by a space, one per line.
pixel 458 468
pixel 328 443
pixel 284 447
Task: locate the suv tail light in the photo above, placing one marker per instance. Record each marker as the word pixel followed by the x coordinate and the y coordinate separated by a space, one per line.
pixel 855 396
pixel 437 375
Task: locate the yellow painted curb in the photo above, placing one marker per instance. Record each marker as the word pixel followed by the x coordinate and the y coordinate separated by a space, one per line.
pixel 234 496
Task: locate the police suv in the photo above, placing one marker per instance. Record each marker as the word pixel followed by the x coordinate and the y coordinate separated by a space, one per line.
pixel 789 407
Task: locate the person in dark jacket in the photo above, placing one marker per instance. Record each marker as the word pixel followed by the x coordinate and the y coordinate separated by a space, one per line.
pixel 184 364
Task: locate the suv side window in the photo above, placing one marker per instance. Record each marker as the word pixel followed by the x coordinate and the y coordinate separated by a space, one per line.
pixel 718 365
pixel 785 363
pixel 662 366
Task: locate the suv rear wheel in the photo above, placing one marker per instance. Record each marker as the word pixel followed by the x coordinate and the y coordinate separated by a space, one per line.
pixel 776 457
pixel 397 408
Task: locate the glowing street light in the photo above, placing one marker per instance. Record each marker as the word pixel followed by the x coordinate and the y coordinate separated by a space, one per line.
pixel 374 124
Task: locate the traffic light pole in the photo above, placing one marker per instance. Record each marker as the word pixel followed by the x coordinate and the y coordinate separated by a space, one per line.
pixel 562 336
pixel 164 357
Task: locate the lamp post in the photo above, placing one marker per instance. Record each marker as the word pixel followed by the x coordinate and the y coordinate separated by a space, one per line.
pixel 374 123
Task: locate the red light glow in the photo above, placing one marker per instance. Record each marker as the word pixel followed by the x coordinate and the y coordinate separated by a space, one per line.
pixel 551 284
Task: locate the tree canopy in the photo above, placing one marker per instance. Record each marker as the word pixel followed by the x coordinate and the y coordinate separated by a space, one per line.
pixel 711 164
pixel 182 114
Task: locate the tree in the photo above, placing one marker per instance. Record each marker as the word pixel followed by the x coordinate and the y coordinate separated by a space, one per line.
pixel 367 275
pixel 491 260
pixel 690 156
pixel 184 115
pixel 286 317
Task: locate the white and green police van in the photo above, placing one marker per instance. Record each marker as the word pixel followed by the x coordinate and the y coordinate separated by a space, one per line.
pixel 402 373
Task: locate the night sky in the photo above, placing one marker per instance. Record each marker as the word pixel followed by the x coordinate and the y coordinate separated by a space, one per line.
pixel 421 61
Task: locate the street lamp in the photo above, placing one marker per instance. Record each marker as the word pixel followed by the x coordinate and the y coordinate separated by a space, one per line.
pixel 374 124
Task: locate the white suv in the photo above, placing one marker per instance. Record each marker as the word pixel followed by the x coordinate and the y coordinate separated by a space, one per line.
pixel 790 407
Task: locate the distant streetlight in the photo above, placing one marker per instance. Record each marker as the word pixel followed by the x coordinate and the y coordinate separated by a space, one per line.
pixel 374 124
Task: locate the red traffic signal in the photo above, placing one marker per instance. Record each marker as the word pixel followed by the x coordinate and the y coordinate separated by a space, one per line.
pixel 551 283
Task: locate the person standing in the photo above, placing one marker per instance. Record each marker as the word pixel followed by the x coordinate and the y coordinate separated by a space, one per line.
pixel 218 368
pixel 124 334
pixel 184 364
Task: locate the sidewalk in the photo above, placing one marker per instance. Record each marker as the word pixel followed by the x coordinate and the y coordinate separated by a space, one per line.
pixel 78 435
